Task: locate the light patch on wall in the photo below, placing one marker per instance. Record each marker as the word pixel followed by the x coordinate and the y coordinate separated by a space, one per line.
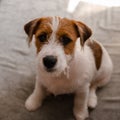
pixel 109 3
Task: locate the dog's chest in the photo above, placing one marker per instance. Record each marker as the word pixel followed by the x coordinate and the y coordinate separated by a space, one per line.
pixel 61 85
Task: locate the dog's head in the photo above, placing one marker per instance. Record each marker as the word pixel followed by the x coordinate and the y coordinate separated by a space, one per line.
pixel 55 40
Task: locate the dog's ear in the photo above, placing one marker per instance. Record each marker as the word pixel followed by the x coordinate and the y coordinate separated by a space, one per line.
pixel 30 28
pixel 83 31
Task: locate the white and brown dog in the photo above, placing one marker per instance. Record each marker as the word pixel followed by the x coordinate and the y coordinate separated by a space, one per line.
pixel 67 62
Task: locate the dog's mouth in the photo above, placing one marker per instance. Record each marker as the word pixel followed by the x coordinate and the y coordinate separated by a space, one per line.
pixel 50 70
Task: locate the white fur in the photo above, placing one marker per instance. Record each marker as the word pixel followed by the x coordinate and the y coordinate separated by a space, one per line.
pixel 56 50
pixel 54 26
pixel 74 74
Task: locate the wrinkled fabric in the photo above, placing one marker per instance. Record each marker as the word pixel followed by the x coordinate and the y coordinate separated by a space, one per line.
pixel 17 66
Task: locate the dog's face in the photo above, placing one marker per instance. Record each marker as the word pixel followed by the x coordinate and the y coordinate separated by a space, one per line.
pixel 55 40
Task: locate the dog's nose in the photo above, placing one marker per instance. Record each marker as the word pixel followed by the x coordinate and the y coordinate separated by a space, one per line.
pixel 49 61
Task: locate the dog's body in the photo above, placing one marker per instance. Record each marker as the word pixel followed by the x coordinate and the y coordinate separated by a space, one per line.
pixel 67 65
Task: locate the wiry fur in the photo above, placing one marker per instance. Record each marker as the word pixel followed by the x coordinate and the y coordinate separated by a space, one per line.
pixel 74 73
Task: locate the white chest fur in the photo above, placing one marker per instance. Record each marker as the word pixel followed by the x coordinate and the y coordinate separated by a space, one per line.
pixel 59 85
pixel 79 74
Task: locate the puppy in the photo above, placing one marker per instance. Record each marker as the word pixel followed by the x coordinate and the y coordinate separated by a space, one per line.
pixel 67 62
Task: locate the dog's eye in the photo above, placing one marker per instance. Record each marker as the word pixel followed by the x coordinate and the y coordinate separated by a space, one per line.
pixel 65 40
pixel 42 37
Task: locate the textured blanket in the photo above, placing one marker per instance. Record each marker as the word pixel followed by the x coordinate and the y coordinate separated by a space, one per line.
pixel 17 68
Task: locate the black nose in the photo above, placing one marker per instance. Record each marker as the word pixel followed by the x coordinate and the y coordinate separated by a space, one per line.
pixel 49 61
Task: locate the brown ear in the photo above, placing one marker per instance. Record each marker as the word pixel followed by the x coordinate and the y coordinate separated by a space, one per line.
pixel 30 28
pixel 84 32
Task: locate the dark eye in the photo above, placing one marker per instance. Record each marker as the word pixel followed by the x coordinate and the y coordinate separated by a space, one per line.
pixel 65 40
pixel 42 37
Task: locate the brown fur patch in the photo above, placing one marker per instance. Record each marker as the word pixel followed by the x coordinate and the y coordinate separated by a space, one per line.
pixel 70 28
pixel 44 27
pixel 97 52
pixel 84 32
pixel 67 28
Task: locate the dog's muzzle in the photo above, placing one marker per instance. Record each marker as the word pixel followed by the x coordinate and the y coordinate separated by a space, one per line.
pixel 49 62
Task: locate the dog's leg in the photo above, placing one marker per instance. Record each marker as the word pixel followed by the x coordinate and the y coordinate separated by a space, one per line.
pixel 92 100
pixel 34 101
pixel 80 103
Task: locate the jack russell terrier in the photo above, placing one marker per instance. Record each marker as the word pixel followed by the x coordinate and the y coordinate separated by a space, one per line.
pixel 67 62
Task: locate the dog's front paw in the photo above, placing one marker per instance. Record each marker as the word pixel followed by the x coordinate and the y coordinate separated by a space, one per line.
pixel 81 115
pixel 92 102
pixel 33 103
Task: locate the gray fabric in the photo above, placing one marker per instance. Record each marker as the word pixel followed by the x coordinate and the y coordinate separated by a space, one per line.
pixel 17 69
